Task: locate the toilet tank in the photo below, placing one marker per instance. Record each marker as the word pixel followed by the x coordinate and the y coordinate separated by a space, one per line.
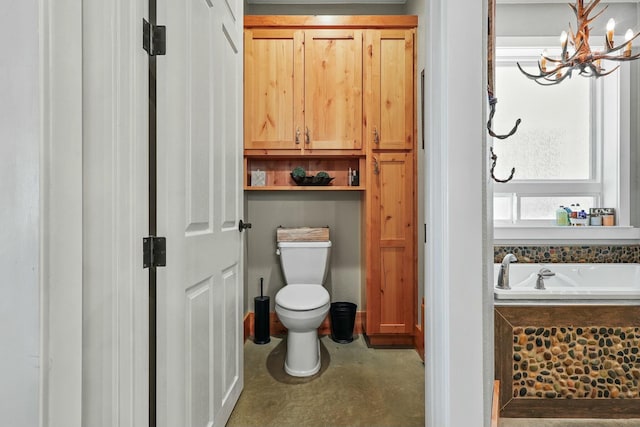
pixel 304 263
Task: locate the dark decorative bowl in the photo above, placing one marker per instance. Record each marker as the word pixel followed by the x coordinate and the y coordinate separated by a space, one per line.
pixel 311 180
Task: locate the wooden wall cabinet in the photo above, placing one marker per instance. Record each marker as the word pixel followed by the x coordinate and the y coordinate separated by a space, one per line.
pixel 389 89
pixel 335 93
pixel 303 91
pixel 273 89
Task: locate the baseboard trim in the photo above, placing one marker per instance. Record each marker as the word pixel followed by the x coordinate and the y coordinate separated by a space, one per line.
pixel 418 339
pixel 248 325
pixel 419 334
pixel 495 404
pixel 391 340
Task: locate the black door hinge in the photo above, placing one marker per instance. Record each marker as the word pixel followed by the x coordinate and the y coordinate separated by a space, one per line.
pixel 154 252
pixel 154 38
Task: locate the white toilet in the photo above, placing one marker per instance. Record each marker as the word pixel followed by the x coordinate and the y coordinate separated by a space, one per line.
pixel 303 303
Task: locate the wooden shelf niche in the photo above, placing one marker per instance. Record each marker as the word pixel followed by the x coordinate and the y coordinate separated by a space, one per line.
pixel 278 172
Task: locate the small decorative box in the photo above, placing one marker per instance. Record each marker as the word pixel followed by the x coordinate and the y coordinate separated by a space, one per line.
pixel 258 178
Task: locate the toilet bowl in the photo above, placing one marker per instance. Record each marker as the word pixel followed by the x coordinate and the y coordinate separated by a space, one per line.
pixel 303 303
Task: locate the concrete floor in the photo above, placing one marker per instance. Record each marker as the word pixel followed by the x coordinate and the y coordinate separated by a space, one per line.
pixel 356 386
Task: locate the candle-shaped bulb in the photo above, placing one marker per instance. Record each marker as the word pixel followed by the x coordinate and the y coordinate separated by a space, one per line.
pixel 563 43
pixel 543 60
pixel 611 25
pixel 627 37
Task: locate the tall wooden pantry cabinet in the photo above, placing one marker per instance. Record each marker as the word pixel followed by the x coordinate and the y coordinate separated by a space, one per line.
pixel 338 93
pixel 391 186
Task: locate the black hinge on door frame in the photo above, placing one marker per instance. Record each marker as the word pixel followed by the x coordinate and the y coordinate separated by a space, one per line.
pixel 154 38
pixel 154 252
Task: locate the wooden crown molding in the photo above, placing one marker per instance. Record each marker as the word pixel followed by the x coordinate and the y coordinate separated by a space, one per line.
pixel 332 21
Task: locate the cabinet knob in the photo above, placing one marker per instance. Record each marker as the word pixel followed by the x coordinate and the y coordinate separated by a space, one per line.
pixel 376 136
pixel 308 136
pixel 376 167
pixel 297 135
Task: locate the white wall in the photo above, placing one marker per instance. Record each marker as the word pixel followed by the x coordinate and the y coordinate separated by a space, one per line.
pixel 19 215
pixel 340 210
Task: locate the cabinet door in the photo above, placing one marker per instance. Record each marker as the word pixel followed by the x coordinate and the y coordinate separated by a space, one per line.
pixel 333 89
pixel 274 84
pixel 389 86
pixel 391 303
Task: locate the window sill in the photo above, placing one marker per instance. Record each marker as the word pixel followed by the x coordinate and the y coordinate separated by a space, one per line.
pixel 565 235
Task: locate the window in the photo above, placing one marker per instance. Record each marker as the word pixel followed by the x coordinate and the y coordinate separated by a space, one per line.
pixel 571 148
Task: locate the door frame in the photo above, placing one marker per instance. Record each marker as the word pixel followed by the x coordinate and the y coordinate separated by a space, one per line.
pixel 61 214
pixel 89 98
pixel 60 279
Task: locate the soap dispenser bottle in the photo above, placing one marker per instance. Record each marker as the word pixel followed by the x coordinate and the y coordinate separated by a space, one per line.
pixel 562 216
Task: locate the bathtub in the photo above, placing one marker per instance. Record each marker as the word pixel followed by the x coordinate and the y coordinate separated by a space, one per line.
pixel 571 282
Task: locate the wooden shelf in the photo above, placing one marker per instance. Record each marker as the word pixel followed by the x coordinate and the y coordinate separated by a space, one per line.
pixel 306 188
pixel 278 172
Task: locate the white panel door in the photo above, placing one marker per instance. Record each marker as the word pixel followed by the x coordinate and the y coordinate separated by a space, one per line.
pixel 199 87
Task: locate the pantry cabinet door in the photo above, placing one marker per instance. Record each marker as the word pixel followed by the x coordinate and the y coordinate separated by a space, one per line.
pixel 391 283
pixel 389 87
pixel 274 84
pixel 333 89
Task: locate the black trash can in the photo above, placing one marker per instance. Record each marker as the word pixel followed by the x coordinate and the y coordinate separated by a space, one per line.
pixel 343 319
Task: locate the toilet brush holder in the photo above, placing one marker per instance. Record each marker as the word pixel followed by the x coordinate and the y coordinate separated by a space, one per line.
pixel 261 320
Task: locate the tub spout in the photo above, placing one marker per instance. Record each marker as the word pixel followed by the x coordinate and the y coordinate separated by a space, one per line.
pixel 503 275
pixel 543 274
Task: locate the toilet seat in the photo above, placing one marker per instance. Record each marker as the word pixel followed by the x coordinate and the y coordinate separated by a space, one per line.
pixel 302 297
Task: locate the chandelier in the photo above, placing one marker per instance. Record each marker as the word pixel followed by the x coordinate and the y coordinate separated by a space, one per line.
pixel 579 56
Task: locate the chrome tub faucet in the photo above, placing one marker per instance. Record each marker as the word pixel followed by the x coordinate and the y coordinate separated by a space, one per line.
pixel 543 274
pixel 503 275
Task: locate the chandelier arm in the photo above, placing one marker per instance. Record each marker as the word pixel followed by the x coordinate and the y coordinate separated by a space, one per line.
pixel 542 74
pixel 588 20
pixel 625 58
pixel 620 58
pixel 531 76
pixel 592 6
pixel 601 74
pixel 621 45
pixel 553 81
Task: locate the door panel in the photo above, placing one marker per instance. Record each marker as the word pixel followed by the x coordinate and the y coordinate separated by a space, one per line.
pixel 333 89
pixel 274 89
pixel 199 105
pixel 390 87
pixel 392 242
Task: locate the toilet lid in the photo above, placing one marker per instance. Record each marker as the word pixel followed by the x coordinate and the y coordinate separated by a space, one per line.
pixel 302 297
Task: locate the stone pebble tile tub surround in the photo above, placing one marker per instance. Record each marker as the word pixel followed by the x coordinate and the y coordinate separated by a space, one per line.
pixel 592 362
pixel 566 254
